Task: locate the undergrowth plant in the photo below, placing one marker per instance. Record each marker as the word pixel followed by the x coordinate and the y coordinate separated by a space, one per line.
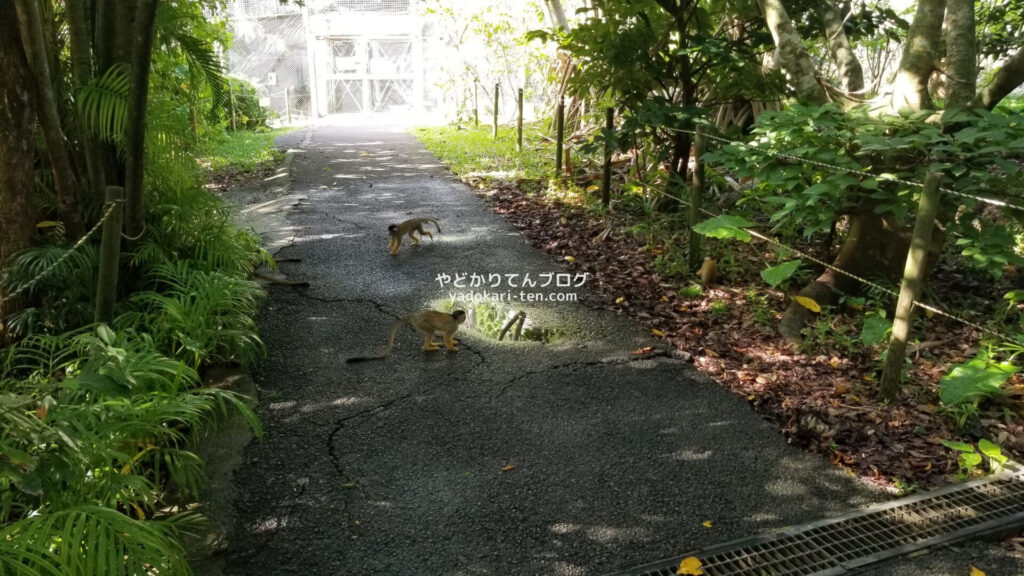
pixel 95 425
pixel 201 317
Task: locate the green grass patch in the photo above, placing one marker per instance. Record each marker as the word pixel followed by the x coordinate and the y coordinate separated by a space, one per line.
pixel 241 151
pixel 466 150
pixel 1013 102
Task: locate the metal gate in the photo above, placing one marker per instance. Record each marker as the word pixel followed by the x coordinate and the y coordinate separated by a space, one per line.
pixel 367 74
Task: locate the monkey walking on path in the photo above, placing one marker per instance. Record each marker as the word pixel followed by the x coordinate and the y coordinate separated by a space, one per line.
pixel 427 322
pixel 396 231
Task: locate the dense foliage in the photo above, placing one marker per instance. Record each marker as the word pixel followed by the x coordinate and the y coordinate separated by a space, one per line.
pixel 97 419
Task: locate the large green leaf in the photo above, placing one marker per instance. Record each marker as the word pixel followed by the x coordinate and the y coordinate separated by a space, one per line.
pixel 778 274
pixel 977 378
pixel 874 330
pixel 726 227
pixel 992 451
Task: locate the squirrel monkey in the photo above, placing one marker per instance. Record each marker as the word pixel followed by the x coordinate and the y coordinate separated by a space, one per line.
pixel 708 272
pixel 396 231
pixel 427 322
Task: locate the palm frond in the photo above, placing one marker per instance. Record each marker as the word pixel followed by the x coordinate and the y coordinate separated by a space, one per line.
pixel 89 540
pixel 200 56
pixel 103 105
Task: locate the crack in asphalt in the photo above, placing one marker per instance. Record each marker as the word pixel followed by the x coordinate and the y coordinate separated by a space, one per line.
pixel 382 308
pixel 339 424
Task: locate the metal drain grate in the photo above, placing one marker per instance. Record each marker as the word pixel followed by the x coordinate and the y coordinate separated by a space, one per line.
pixel 846 543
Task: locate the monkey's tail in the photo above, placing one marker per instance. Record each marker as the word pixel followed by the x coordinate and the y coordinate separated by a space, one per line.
pixel 435 224
pixel 387 348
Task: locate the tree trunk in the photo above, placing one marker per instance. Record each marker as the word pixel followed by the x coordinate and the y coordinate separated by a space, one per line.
pixel 33 39
pixel 961 55
pixel 104 31
pixel 557 13
pixel 81 61
pixel 919 56
pixel 1006 80
pixel 793 56
pixel 914 272
pixel 135 138
pixel 17 150
pixel 850 70
pixel 875 246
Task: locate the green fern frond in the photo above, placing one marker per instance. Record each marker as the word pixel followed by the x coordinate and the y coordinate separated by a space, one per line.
pixel 103 104
pixel 89 540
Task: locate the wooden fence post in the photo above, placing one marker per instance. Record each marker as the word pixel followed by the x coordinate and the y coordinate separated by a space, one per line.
pixel 913 275
pixel 559 135
pixel 497 91
pixel 287 104
pixel 606 176
pixel 110 256
pixel 519 121
pixel 231 103
pixel 694 256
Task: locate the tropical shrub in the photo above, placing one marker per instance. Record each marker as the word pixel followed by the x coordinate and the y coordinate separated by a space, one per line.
pixel 95 425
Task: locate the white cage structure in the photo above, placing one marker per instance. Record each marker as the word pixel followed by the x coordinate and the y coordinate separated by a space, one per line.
pixel 330 56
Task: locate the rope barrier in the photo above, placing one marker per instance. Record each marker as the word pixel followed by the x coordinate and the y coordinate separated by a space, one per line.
pixel 783 155
pixel 49 269
pixel 860 279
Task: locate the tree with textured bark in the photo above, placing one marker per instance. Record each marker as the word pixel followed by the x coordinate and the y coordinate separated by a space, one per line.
pixel 876 241
pixel 17 151
pixel 34 39
pixel 793 56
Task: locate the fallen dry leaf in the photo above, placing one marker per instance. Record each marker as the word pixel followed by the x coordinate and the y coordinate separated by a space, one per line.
pixel 509 467
pixel 690 565
pixel 808 303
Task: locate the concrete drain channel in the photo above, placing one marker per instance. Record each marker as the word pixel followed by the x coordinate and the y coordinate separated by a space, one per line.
pixel 848 543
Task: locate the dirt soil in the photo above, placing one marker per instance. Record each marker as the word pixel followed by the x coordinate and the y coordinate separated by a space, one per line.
pixel 822 396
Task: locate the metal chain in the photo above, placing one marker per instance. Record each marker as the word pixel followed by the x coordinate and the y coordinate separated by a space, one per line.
pixel 986 200
pixel 860 279
pixel 64 256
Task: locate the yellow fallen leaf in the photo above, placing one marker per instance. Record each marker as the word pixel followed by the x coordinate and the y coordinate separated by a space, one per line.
pixel 976 572
pixel 929 314
pixel 620 299
pixel 690 565
pixel 592 188
pixel 562 220
pixel 808 303
pixel 570 259
pixel 509 467
pixel 706 524
pixel 658 333
pixel 664 298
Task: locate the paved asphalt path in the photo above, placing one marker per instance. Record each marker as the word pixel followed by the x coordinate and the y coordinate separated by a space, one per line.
pixel 504 458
